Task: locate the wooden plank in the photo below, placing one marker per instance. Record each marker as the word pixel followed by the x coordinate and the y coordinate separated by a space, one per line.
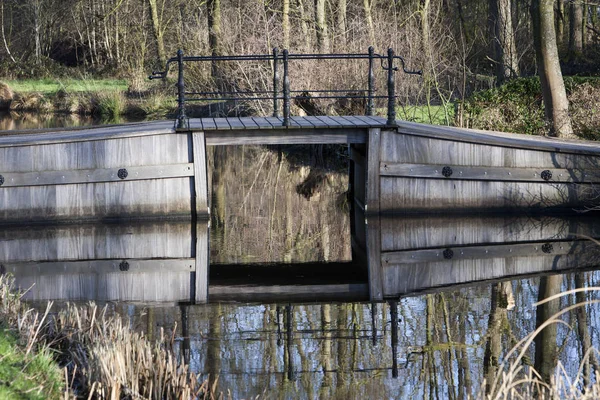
pixel 279 293
pixel 443 195
pixel 316 122
pixel 156 198
pixel 499 138
pixel 120 266
pixel 202 264
pixel 200 174
pixel 165 286
pixel 248 122
pixel 208 124
pixel 286 136
pixel 42 178
pixel 371 121
pixel 222 124
pixel 375 121
pixel 236 123
pixel 489 173
pixel 159 239
pixel 195 124
pixel 332 121
pixel 276 122
pixel 348 120
pixel 373 179
pixel 374 259
pixel 262 123
pixel 302 122
pixel 325 121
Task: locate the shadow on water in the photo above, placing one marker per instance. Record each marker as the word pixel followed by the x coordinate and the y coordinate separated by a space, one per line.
pixel 289 309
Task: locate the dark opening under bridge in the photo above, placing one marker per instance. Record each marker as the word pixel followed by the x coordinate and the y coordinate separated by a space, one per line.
pixel 158 171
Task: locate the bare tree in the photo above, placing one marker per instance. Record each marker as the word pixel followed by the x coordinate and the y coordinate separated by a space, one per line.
pixel 575 29
pixel 504 47
pixel 556 104
pixel 321 24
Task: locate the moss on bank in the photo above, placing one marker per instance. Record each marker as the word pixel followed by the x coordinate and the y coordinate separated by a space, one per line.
pixel 27 376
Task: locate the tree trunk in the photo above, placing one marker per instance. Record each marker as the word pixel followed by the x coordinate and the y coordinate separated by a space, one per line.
pixel 156 30
pixel 560 22
pixel 575 30
pixel 304 25
pixel 321 24
pixel 341 22
pixel 504 48
pixel 286 24
pixel 213 12
pixel 545 342
pixel 368 6
pixel 556 105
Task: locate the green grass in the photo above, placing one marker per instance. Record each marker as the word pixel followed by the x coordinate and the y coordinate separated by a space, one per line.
pixel 26 376
pixel 51 86
pixel 435 115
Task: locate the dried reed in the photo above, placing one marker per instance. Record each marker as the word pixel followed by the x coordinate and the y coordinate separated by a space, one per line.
pixel 103 358
pixel 514 381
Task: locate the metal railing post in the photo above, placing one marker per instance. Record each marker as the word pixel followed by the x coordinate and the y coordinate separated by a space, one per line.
pixel 286 90
pixel 371 82
pixel 182 122
pixel 275 82
pixel 391 83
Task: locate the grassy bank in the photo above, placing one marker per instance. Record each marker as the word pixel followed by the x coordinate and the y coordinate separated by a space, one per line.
pixel 105 99
pixel 53 86
pixel 102 357
pixel 27 376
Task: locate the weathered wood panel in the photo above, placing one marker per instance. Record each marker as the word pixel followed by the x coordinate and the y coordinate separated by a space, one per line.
pixel 282 293
pixel 200 174
pixel 142 287
pixel 400 279
pixel 484 174
pixel 69 167
pixel 164 239
pixel 501 139
pixel 427 231
pixel 133 262
pixel 426 252
pixel 437 195
pixel 373 179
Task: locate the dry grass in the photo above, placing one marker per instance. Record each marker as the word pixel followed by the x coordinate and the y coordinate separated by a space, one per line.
pixel 516 381
pixel 103 358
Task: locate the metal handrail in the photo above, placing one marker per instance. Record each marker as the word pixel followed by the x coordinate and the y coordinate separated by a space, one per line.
pixel 387 64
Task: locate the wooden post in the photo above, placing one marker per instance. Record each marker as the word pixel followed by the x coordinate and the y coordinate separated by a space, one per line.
pixel 373 156
pixel 201 212
pixel 200 175
pixel 374 258
pixel 201 280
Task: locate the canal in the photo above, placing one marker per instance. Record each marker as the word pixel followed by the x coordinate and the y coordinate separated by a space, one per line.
pixel 290 315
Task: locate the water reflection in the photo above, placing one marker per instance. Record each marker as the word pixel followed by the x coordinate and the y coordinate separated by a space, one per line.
pixel 14 121
pixel 289 287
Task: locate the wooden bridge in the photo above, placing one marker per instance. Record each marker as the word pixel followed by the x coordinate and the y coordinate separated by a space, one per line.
pixel 153 170
pixel 158 170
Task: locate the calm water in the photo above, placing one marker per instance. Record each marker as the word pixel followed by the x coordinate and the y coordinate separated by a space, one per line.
pixel 283 245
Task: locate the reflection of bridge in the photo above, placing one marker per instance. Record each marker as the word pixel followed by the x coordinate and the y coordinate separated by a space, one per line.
pixel 167 261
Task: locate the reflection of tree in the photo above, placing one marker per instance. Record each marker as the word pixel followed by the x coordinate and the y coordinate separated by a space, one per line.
pixel 258 216
pixel 583 332
pixel 497 326
pixel 546 349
